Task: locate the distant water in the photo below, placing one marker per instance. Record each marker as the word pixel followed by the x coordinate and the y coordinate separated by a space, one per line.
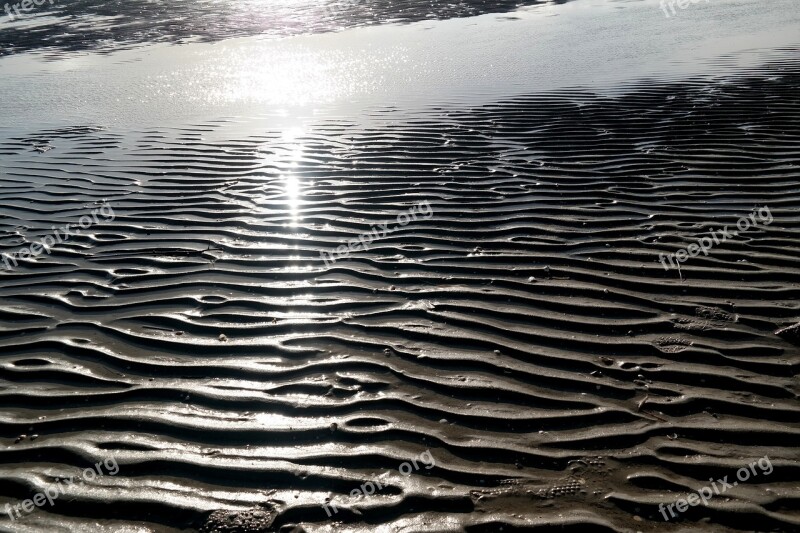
pixel 107 26
pixel 606 45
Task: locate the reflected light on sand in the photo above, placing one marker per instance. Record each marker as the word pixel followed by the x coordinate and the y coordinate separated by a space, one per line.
pixel 298 264
pixel 285 191
pixel 290 180
pixel 292 185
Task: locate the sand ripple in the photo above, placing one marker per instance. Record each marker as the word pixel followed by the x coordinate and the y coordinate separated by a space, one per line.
pixel 526 334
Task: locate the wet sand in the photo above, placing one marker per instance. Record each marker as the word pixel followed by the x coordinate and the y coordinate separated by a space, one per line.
pixel 525 334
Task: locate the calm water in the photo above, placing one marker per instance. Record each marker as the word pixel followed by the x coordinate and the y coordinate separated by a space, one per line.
pixel 587 43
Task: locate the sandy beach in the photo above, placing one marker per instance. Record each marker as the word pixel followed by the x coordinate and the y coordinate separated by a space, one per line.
pixel 408 267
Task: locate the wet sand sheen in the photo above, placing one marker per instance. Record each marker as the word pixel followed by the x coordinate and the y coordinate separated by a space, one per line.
pixel 526 334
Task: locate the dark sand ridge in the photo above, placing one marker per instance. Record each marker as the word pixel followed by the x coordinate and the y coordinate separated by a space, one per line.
pixel 526 334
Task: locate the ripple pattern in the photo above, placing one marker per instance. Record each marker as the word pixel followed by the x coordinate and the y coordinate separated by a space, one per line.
pixel 526 334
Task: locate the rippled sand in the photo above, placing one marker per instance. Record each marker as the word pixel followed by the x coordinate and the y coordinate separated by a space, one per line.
pixel 525 333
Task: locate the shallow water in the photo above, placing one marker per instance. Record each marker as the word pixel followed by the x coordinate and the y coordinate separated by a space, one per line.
pixel 604 46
